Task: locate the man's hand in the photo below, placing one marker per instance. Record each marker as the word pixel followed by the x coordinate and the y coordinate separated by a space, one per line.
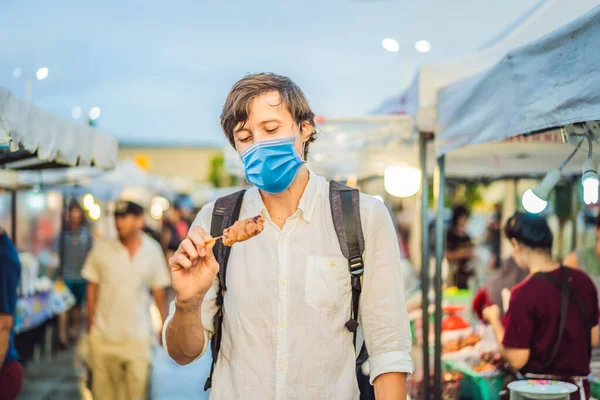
pixel 491 314
pixel 6 323
pixel 193 266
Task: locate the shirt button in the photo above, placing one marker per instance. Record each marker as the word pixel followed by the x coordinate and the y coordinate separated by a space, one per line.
pixel 332 264
pixel 282 325
pixel 283 282
pixel 282 367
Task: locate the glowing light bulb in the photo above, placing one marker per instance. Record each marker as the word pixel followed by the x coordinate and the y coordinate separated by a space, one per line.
pixel 88 201
pixel 95 212
pixel 590 189
pixel 391 45
pixel 532 203
pixel 42 73
pixel 402 181
pixel 94 113
pixel 423 46
pixel 156 210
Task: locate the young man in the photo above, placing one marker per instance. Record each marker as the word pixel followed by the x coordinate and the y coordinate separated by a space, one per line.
pixel 11 372
pixel 288 292
pixel 121 274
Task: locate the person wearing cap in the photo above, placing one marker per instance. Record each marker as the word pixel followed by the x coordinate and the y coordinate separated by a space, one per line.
pixel 121 275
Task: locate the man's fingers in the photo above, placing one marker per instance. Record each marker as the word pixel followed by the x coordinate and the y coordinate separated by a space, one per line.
pixel 190 249
pixel 198 241
pixel 208 244
pixel 180 261
pixel 209 250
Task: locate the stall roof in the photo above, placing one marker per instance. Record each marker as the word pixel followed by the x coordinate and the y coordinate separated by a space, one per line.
pixel 421 97
pixel 547 83
pixel 19 179
pixel 32 138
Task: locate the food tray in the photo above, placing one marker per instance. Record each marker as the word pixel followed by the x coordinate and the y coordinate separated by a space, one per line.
pixel 476 386
pixel 595 388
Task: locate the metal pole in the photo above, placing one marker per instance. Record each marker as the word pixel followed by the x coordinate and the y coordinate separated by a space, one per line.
pixel 13 222
pixel 574 213
pixel 423 139
pixel 28 90
pixel 439 194
pixel 63 232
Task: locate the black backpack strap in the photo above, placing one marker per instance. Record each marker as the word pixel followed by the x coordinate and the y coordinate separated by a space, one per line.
pixel 226 212
pixel 566 295
pixel 345 212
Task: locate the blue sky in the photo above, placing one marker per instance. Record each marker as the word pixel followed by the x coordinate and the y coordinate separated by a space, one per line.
pixel 160 70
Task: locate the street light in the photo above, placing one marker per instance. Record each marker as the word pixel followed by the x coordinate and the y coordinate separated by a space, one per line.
pixel 392 45
pixel 76 112
pixel 94 113
pixel 40 74
pixel 423 46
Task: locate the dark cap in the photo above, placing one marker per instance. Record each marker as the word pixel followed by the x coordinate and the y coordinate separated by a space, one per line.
pixel 125 207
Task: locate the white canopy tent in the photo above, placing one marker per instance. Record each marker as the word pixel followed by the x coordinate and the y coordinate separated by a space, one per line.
pixel 37 139
pixel 550 82
pixel 540 77
pixel 129 180
pixel 420 100
pixel 32 140
pixel 14 180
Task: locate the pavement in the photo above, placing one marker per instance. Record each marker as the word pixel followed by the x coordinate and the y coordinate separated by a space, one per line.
pixel 60 378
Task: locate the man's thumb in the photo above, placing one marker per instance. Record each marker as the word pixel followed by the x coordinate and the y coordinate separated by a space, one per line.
pixel 209 250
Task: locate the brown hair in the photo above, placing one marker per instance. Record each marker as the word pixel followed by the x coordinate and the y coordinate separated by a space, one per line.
pixel 237 105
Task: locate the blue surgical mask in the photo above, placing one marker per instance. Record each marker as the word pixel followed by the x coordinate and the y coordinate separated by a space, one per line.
pixel 272 165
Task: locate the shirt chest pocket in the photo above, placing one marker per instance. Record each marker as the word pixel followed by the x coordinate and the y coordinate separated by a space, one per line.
pixel 328 283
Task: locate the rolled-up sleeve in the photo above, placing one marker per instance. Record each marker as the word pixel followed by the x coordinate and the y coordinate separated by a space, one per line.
pixel 382 309
pixel 91 271
pixel 209 305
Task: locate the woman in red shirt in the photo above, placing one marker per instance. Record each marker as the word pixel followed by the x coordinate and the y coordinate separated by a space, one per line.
pixel 533 340
pixel 508 276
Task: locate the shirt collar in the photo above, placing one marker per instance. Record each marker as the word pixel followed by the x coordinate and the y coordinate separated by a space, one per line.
pixel 314 188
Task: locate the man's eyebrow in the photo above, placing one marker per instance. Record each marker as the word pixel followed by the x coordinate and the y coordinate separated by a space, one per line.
pixel 241 127
pixel 271 120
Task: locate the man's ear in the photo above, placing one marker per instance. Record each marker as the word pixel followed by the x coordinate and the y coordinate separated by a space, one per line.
pixel 141 222
pixel 307 130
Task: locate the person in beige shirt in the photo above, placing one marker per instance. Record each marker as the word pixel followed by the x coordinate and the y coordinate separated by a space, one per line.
pixel 123 273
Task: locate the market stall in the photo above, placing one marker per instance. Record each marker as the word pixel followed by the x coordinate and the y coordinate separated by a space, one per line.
pixel 545 85
pixel 36 148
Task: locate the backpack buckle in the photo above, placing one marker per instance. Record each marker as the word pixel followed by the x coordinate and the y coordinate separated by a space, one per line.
pixel 208 383
pixel 356 265
pixel 352 325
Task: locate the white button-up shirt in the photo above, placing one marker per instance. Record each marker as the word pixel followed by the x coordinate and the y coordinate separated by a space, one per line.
pixel 124 284
pixel 288 299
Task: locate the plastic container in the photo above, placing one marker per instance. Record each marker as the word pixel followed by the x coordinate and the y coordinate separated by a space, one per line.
pixel 474 385
pixel 541 390
pixel 595 388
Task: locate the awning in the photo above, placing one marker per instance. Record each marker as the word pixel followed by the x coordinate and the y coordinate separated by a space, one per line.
pixel 420 100
pixel 548 83
pixel 36 139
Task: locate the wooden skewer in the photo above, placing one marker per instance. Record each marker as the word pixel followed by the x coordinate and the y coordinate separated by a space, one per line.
pixel 212 240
